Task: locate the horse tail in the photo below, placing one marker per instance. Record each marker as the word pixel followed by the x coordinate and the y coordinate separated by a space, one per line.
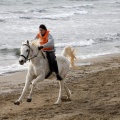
pixel 69 53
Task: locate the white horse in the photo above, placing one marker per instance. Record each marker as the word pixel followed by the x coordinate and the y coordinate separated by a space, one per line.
pixel 38 69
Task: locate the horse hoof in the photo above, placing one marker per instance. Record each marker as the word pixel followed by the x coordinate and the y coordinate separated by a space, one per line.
pixel 17 103
pixel 57 103
pixel 29 100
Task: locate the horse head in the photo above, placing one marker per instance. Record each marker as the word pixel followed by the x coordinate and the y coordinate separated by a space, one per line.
pixel 29 50
pixel 24 52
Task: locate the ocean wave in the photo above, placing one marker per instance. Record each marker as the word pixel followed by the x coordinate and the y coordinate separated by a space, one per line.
pixel 62 15
pixel 3 21
pixel 84 0
pixel 117 3
pixel 12 68
pixel 38 11
pixel 28 3
pixel 110 38
pixel 25 17
pixel 9 49
pixel 26 11
pixel 88 42
pixel 8 46
pixel 79 6
pixel 81 12
pixel 15 51
pixel 93 55
pixel 56 16
pixel 76 44
pixel 19 12
pixel 28 14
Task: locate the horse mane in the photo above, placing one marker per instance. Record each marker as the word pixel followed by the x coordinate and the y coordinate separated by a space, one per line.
pixel 35 42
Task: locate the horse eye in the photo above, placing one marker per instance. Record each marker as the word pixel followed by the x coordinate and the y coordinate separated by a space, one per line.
pixel 27 50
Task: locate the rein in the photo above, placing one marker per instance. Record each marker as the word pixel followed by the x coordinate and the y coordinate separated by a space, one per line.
pixel 33 56
pixel 26 58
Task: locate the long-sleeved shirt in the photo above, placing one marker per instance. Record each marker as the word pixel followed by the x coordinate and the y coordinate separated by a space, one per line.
pixel 50 43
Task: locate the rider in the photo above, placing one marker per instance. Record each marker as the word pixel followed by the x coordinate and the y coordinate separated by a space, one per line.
pixel 47 45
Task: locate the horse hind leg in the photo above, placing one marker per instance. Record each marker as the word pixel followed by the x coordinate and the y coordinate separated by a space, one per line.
pixel 61 84
pixel 68 92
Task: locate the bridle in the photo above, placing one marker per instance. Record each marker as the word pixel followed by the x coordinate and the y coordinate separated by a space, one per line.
pixel 26 57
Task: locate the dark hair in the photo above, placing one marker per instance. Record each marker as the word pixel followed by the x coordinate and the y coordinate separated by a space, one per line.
pixel 43 26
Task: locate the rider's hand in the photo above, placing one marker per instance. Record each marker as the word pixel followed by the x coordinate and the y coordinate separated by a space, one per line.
pixel 40 47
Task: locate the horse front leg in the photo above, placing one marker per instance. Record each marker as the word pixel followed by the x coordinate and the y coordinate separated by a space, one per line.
pixel 39 78
pixel 61 84
pixel 29 78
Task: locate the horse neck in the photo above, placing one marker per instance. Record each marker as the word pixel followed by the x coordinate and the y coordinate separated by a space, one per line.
pixel 35 52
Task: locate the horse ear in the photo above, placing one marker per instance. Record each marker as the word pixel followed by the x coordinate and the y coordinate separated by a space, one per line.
pixel 27 42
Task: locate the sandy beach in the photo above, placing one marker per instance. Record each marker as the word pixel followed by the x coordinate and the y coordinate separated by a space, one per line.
pixel 95 94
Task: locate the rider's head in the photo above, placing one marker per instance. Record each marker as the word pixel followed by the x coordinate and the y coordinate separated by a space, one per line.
pixel 42 29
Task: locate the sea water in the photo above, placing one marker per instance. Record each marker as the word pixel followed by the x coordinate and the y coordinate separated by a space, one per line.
pixel 90 26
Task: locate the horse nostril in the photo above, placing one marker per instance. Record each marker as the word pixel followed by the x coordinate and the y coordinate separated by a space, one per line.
pixel 21 62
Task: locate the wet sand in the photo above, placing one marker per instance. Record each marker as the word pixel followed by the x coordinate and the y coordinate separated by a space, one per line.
pixel 95 94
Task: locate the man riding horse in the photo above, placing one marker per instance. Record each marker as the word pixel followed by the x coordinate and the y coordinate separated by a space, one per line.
pixel 47 45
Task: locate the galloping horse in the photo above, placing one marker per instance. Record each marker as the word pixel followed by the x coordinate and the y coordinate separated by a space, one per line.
pixel 38 69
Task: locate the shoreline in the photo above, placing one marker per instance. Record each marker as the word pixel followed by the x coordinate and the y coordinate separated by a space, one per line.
pixel 98 58
pixel 18 77
pixel 77 62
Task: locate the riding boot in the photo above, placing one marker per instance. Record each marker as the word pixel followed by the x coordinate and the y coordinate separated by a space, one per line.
pixel 58 77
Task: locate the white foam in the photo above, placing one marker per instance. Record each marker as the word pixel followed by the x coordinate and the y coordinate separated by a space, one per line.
pixel 12 68
pixel 93 55
pixel 55 16
pixel 76 6
pixel 79 43
pixel 8 46
pixel 63 15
